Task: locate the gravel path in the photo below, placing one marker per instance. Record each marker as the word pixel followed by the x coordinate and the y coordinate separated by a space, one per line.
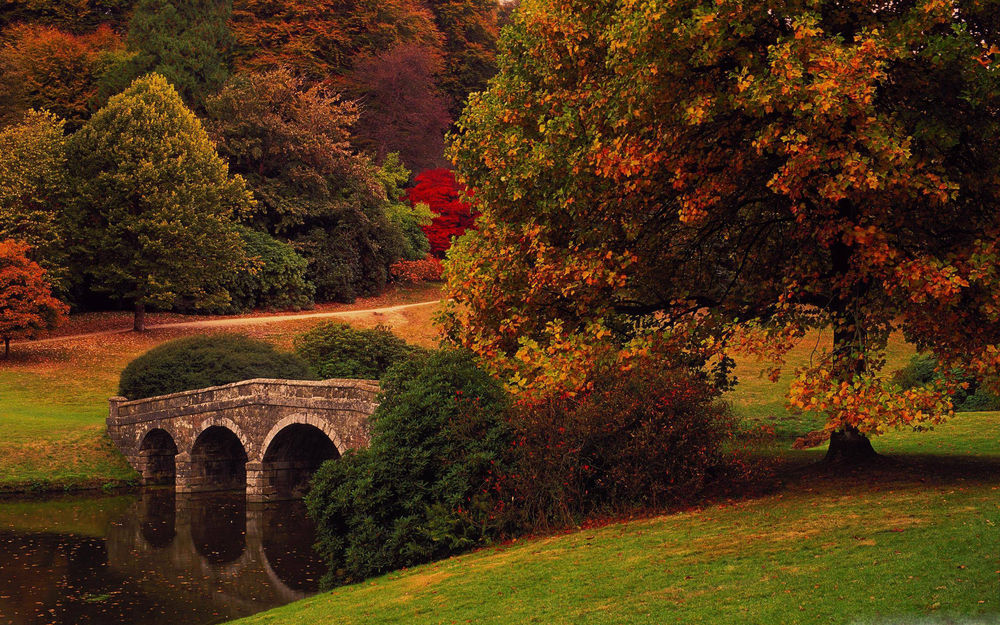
pixel 238 321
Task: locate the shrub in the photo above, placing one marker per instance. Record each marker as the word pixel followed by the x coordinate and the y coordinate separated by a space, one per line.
pixel 350 256
pixel 640 440
pixel 277 279
pixel 423 489
pixel 446 197
pixel 412 271
pixel 336 350
pixel 203 361
pixel 922 370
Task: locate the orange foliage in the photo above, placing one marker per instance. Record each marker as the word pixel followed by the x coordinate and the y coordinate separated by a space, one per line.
pixel 26 302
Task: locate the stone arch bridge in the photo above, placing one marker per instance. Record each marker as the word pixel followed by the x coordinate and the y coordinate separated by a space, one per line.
pixel 267 436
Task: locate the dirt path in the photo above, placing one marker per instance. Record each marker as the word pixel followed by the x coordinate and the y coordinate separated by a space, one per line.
pixel 238 321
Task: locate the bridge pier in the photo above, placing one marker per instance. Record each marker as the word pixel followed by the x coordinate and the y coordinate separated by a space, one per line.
pixel 257 490
pixel 182 474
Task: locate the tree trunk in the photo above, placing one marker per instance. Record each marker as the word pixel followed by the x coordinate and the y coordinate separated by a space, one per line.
pixel 849 446
pixel 139 321
pixel 6 347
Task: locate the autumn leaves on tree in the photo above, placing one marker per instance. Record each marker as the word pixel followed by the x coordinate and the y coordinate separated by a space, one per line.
pixel 26 302
pixel 702 177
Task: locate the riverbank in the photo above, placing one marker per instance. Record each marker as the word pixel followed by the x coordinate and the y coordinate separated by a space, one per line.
pixel 911 540
pixel 54 394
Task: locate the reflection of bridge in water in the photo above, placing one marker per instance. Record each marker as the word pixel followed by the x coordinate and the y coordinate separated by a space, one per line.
pixel 265 436
pixel 238 556
pixel 162 560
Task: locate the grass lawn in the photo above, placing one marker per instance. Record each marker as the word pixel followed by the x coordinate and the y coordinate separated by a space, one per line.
pixel 54 396
pixel 914 539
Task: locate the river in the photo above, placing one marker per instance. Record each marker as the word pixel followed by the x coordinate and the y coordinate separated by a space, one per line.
pixel 151 559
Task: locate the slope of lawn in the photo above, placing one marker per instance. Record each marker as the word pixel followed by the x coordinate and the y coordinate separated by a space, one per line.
pixel 54 396
pixel 912 541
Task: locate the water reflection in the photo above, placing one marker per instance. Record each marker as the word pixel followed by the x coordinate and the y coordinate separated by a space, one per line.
pixel 166 559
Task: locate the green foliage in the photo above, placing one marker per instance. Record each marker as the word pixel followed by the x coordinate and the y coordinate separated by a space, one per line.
pixel 291 144
pixel 203 361
pixel 155 204
pixel 276 277
pixel 336 350
pixel 421 490
pixel 409 220
pixel 186 41
pixel 33 190
pixel 922 370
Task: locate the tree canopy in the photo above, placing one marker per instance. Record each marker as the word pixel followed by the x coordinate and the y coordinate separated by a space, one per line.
pixel 33 190
pixel 42 67
pixel 291 142
pixel 189 43
pixel 650 173
pixel 319 38
pixel 155 206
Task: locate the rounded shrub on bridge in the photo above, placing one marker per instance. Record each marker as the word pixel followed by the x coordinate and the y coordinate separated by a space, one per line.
pixel 426 487
pixel 203 361
pixel 336 350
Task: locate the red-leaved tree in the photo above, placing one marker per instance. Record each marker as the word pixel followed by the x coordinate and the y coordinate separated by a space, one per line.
pixel 26 302
pixel 438 189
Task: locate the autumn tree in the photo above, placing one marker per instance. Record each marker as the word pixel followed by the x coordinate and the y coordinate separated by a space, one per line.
pixel 155 203
pixel 650 173
pixel 42 67
pixel 75 16
pixel 291 142
pixel 470 29
pixel 186 41
pixel 445 197
pixel 320 38
pixel 33 190
pixel 402 109
pixel 26 302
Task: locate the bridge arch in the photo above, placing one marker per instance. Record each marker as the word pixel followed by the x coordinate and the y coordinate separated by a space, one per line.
pixel 292 452
pixel 218 458
pixel 158 451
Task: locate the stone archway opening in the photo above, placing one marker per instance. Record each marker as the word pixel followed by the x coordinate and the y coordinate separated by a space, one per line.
pixel 293 456
pixel 159 452
pixel 218 462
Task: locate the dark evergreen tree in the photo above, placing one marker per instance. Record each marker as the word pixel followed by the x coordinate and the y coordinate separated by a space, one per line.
pixel 186 41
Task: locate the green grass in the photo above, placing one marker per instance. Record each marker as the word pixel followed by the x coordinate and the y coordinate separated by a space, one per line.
pixel 878 547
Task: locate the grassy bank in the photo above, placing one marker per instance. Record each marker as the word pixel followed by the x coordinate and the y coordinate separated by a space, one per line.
pixel 53 396
pixel 915 541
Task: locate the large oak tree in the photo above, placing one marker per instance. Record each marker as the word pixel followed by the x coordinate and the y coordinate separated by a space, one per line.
pixel 652 172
